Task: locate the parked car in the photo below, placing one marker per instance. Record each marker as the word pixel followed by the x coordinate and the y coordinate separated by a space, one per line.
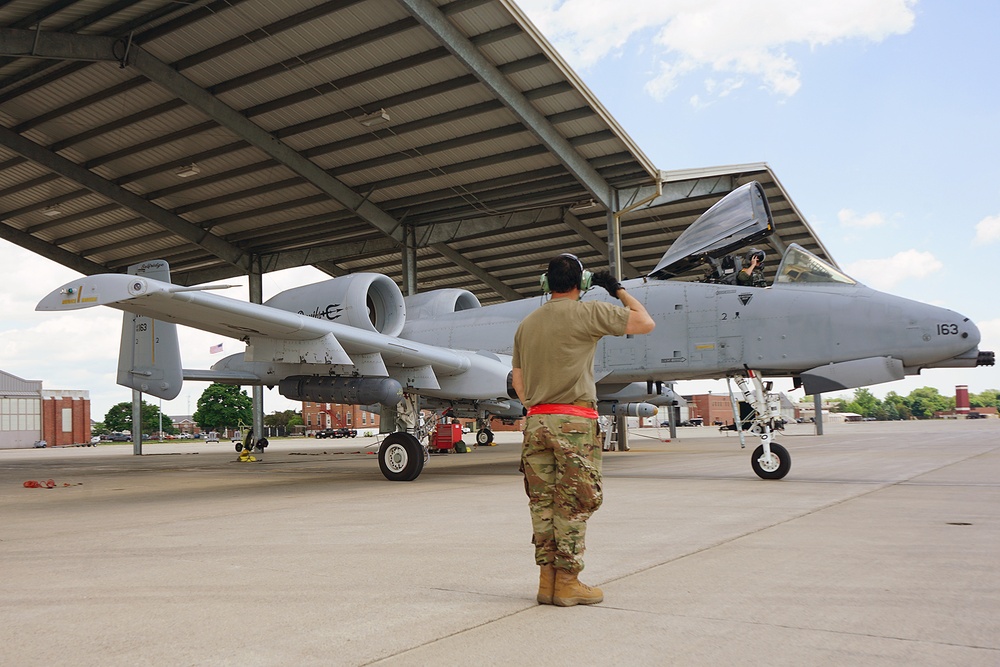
pixel 342 432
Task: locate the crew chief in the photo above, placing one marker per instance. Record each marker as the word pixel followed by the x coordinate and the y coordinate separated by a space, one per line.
pixel 553 375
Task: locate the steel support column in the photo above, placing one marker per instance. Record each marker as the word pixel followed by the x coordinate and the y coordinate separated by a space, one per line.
pixel 257 397
pixel 409 261
pixel 818 410
pixel 136 422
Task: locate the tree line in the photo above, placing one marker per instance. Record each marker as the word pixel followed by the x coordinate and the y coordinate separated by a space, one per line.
pixel 219 407
pixel 920 403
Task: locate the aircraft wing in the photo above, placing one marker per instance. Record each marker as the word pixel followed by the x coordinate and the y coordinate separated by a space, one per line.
pixel 273 332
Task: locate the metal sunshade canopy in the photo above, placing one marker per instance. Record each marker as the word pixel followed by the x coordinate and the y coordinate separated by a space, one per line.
pixel 246 136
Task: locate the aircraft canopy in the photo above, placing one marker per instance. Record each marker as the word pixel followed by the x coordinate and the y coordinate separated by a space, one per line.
pixel 738 219
pixel 801 266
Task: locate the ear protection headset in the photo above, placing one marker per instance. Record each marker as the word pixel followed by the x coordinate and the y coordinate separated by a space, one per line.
pixel 586 277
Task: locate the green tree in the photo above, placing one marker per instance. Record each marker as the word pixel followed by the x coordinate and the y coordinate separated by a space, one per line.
pixel 223 406
pixel 285 419
pixel 899 406
pixel 119 418
pixel 987 399
pixel 925 401
pixel 867 403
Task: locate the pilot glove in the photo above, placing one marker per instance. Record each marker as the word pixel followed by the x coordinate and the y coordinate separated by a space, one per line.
pixel 606 280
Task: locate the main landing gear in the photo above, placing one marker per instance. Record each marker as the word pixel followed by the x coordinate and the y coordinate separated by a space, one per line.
pixel 770 460
pixel 401 457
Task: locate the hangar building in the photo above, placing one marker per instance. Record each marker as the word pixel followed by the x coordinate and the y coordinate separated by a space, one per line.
pixel 29 413
pixel 443 143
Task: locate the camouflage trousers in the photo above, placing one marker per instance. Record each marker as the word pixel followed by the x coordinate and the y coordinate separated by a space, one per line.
pixel 561 461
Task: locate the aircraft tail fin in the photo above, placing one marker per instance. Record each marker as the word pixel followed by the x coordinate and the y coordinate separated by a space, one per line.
pixel 149 358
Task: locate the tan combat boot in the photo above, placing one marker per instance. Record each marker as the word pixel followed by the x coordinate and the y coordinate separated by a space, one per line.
pixel 546 583
pixel 570 591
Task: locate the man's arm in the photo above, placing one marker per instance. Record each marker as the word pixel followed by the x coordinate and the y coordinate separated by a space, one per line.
pixel 517 379
pixel 639 321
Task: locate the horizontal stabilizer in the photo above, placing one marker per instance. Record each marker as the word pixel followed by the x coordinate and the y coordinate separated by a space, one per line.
pixel 222 377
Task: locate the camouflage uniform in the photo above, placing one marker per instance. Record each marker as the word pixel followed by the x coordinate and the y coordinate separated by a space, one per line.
pixel 562 477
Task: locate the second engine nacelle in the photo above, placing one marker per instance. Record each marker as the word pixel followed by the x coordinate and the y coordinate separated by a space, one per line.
pixel 368 301
pixel 440 302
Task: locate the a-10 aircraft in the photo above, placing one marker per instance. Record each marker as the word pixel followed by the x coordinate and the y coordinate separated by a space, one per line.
pixel 357 340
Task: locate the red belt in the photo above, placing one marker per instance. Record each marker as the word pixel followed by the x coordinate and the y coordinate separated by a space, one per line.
pixel 562 409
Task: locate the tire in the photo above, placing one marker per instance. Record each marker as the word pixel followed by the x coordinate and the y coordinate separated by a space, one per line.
pixel 778 467
pixel 401 457
pixel 484 437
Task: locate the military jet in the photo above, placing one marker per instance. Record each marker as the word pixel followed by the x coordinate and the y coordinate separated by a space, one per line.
pixel 355 339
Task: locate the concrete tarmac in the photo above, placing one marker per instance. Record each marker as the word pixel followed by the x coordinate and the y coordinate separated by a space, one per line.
pixel 881 547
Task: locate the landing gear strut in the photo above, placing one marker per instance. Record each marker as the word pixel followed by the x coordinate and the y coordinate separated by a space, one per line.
pixel 770 460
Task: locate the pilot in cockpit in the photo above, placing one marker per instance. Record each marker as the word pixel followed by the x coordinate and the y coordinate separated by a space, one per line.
pixel 752 273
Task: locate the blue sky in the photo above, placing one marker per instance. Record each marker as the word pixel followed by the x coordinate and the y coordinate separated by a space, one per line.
pixel 880 117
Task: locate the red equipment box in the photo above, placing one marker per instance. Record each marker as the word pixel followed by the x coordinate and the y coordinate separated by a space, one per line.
pixel 446 435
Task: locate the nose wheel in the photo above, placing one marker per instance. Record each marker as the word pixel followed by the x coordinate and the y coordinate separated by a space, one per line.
pixel 774 466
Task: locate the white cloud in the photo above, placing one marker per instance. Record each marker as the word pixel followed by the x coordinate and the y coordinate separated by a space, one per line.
pixel 886 273
pixel 990 330
pixel 738 38
pixel 849 218
pixel 988 229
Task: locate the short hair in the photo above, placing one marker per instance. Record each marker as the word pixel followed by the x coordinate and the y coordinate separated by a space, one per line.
pixel 565 272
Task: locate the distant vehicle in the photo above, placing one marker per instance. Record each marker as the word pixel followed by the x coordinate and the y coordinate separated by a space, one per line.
pixel 975 415
pixel 212 437
pixel 40 444
pixel 342 432
pixel 119 437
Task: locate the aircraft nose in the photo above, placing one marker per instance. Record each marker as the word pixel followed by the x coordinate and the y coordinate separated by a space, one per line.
pixel 958 337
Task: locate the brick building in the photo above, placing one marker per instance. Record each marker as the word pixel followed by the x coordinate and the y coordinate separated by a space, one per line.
pixel 29 413
pixel 711 408
pixel 65 416
pixel 317 416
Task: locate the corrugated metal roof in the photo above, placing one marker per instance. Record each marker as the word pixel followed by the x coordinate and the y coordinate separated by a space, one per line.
pixel 463 164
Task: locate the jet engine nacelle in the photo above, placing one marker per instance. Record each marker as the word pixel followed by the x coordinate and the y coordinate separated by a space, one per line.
pixel 351 391
pixel 369 301
pixel 439 302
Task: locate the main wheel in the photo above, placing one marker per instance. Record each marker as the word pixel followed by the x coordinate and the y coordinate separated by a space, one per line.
pixel 401 458
pixel 484 437
pixel 775 468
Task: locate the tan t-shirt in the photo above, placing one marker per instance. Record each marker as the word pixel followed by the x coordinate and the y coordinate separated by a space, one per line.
pixel 554 348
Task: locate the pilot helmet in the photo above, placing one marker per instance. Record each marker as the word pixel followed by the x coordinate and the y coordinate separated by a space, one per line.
pixel 755 252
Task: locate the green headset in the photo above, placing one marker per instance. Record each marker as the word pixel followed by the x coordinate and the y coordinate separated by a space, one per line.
pixel 586 277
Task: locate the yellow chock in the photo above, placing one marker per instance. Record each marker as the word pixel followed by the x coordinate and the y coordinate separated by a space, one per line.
pixel 245 455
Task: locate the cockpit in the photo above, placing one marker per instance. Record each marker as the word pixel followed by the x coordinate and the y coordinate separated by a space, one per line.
pixel 801 266
pixel 721 242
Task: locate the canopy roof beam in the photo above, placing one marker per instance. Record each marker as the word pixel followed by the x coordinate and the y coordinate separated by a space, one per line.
pixel 460 46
